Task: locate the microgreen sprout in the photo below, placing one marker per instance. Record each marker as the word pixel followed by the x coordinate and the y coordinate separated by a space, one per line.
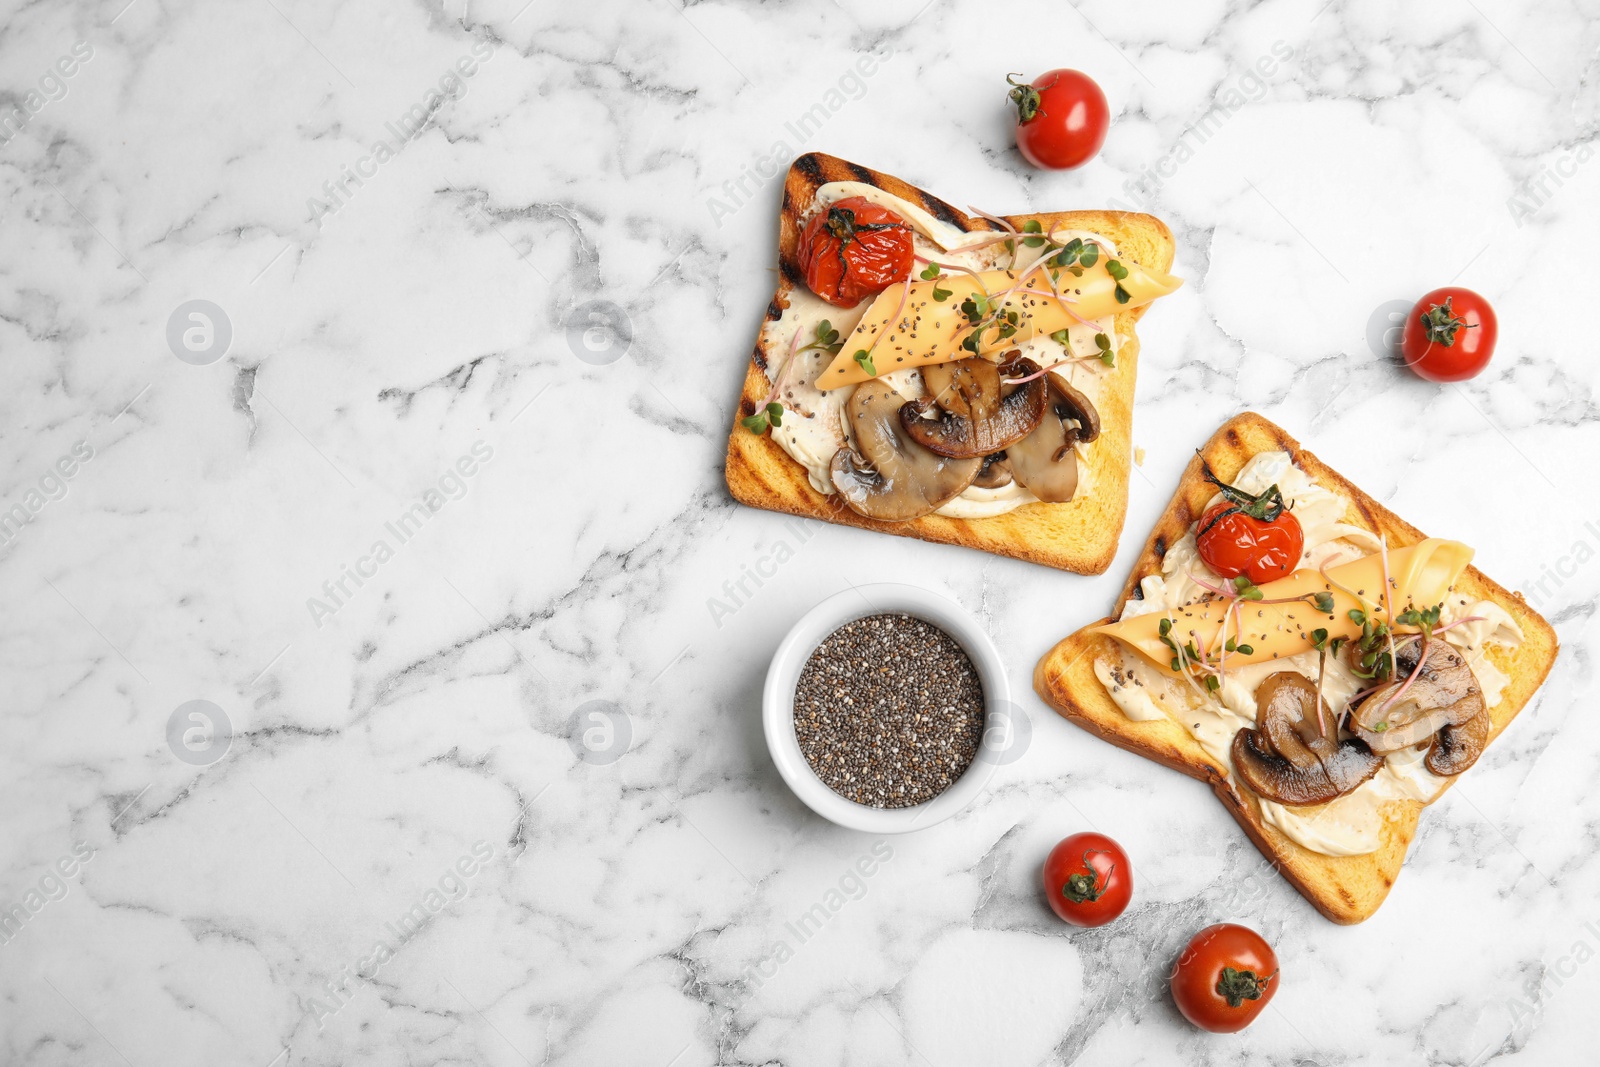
pixel 828 339
pixel 1075 255
pixel 757 424
pixel 975 308
pixel 1120 273
pixel 1103 343
pixel 1426 619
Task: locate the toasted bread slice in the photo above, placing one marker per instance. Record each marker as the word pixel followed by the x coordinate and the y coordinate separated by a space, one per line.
pixel 1346 889
pixel 1080 535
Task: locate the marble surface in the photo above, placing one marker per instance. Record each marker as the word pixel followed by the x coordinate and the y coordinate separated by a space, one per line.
pixel 395 845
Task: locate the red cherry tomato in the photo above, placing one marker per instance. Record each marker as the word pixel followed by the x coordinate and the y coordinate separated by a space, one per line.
pixel 1233 543
pixel 1224 978
pixel 1062 118
pixel 1088 880
pixel 1253 535
pixel 1449 335
pixel 854 249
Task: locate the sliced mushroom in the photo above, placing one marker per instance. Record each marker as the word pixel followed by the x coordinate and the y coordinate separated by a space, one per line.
pixel 890 477
pixel 1044 462
pixel 1457 747
pixel 1069 403
pixel 995 472
pixel 1275 778
pixel 1045 468
pixel 1445 693
pixel 1287 715
pixel 967 387
pixel 1392 735
pixel 1290 756
pixel 988 431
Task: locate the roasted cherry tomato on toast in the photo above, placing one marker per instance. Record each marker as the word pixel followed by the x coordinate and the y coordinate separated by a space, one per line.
pixel 854 249
pixel 1449 335
pixel 1256 536
pixel 1062 118
pixel 1224 978
pixel 1088 880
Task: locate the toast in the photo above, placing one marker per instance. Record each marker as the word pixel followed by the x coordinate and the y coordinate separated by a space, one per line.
pixel 1080 535
pixel 1346 889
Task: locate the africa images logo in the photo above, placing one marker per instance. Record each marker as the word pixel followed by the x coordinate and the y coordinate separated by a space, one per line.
pixel 599 332
pixel 599 732
pixel 199 733
pixel 199 332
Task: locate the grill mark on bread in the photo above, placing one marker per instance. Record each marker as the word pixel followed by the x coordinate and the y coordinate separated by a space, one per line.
pixel 810 168
pixel 945 213
pixel 865 176
pixel 931 204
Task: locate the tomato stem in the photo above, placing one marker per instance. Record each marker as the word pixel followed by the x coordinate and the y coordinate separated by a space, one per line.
pixel 1239 985
pixel 1026 97
pixel 1265 506
pixel 843 225
pixel 1440 324
pixel 1085 887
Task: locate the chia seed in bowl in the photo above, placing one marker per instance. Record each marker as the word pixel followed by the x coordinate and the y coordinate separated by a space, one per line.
pixel 889 711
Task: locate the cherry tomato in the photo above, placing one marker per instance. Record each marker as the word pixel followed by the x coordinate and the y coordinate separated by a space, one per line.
pixel 854 249
pixel 1088 880
pixel 1224 978
pixel 1256 536
pixel 1062 118
pixel 1449 335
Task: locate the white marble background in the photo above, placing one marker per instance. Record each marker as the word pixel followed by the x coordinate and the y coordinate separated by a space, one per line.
pixel 630 912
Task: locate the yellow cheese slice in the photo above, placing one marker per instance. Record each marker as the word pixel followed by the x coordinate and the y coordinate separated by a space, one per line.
pixel 931 331
pixel 1420 576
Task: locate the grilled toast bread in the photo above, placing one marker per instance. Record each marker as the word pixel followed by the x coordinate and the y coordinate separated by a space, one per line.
pixel 1346 889
pixel 1080 535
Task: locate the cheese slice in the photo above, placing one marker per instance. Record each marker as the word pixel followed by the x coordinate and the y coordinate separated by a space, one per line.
pixel 927 331
pixel 1420 576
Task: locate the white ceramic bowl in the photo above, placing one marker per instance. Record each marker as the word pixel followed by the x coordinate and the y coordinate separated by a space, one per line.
pixel 778 704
